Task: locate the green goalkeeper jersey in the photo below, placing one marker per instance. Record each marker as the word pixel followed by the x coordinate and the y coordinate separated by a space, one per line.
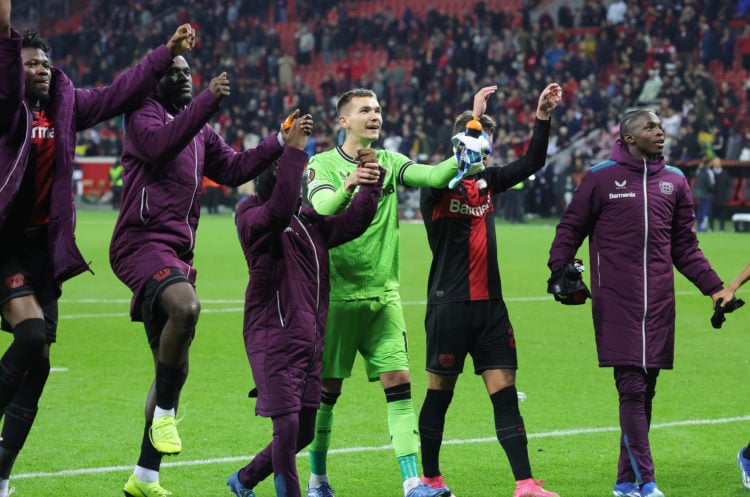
pixel 368 266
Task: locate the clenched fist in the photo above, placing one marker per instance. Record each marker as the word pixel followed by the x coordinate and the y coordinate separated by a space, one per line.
pixel 183 40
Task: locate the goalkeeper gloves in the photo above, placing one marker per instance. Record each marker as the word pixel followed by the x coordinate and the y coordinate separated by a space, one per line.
pixel 566 284
pixel 718 318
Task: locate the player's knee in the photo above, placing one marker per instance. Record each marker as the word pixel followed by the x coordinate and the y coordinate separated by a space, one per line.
pixel 31 334
pixel 394 378
pixel 184 315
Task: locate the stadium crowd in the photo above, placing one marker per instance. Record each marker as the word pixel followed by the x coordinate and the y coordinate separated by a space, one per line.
pixel 610 55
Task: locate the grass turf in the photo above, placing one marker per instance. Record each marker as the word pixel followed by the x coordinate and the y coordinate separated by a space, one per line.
pixel 87 434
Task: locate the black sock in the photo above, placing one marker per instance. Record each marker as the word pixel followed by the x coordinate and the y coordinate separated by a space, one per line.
pixel 169 381
pixel 150 458
pixel 510 431
pixel 7 458
pixel 329 398
pixel 18 421
pixel 431 425
pixel 399 392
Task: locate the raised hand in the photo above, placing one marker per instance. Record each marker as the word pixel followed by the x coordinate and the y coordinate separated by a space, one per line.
pixel 219 86
pixel 182 41
pixel 480 100
pixel 298 131
pixel 548 100
pixel 5 17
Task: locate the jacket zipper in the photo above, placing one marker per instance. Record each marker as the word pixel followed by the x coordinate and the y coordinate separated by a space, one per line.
pixel 192 199
pixel 645 263
pixel 144 204
pixel 20 152
pixel 278 309
pixel 317 280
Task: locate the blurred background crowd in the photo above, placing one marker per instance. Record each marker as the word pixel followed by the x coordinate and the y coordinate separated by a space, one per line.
pixel 689 60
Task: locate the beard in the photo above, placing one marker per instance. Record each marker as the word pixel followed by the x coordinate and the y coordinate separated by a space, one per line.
pixel 37 98
pixel 177 102
pixel 182 100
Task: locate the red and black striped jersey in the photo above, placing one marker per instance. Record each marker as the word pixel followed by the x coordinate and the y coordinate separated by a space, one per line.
pixel 461 227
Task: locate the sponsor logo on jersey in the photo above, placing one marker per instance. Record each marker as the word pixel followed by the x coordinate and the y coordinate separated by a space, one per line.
pixel 14 281
pixel 622 195
pixel 446 360
pixel 455 206
pixel 388 190
pixel 163 274
pixel 40 132
pixel 620 185
pixel 666 187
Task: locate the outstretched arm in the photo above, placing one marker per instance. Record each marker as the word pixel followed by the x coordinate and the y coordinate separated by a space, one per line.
pixel 5 17
pixel 131 88
pixel 502 178
pixel 11 67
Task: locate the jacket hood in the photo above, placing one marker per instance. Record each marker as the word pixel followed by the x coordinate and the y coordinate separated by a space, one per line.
pixel 621 155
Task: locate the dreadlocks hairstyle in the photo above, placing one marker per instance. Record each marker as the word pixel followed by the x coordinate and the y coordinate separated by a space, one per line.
pixel 32 39
pixel 266 180
pixel 348 96
pixel 626 123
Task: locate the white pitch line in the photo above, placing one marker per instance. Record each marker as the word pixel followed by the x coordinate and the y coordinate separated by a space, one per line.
pixel 350 450
pixel 241 302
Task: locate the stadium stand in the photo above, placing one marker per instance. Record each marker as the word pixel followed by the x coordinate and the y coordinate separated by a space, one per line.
pixel 426 58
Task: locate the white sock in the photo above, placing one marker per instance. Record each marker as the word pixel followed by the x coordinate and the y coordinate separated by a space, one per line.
pixel 146 475
pixel 410 483
pixel 316 480
pixel 159 412
pixel 4 485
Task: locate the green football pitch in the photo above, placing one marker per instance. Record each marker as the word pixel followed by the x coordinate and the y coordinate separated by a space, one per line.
pixel 86 438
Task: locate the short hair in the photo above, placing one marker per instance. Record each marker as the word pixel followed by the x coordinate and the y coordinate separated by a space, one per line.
pixel 32 39
pixel 626 122
pixel 351 94
pixel 488 124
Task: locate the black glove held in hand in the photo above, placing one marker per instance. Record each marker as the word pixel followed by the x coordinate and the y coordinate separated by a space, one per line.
pixel 567 285
pixel 718 318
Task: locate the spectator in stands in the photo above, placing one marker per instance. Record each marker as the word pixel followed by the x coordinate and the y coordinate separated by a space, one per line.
pixel 522 68
pixel 115 183
pixel 40 112
pixel 616 12
pixel 726 48
pixel 723 183
pixel 651 88
pixel 305 42
pixel 703 194
pixel 709 44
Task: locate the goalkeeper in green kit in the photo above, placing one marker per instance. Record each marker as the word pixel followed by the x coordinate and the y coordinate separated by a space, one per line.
pixel 365 313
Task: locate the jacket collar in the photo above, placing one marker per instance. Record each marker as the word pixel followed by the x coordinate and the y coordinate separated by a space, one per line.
pixel 621 155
